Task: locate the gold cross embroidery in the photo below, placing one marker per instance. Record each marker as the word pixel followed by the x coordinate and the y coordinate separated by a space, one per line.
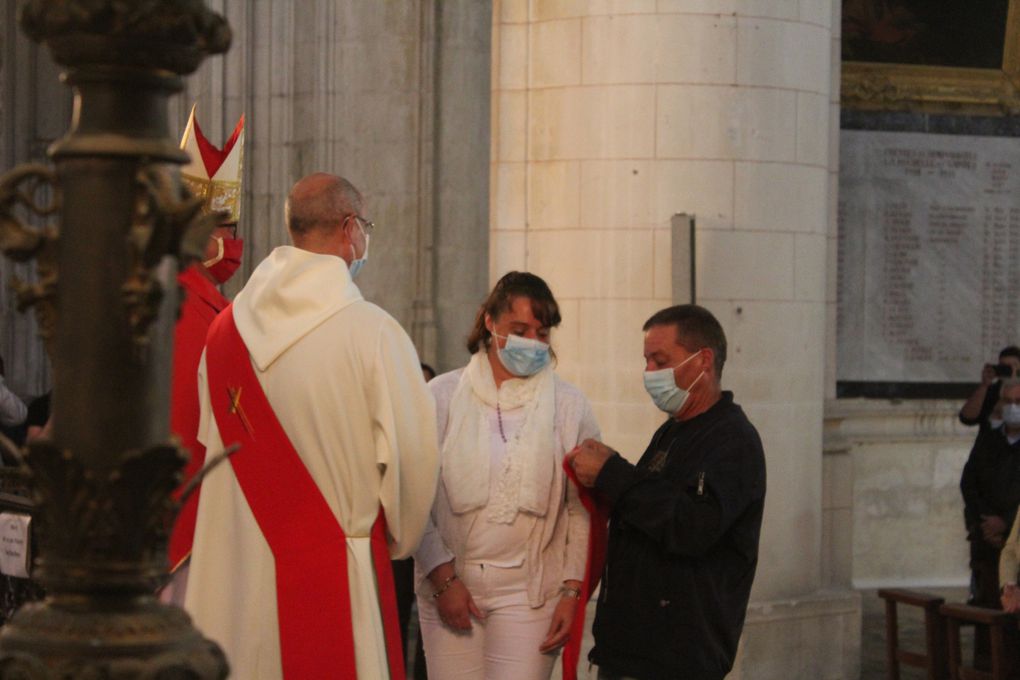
pixel 236 408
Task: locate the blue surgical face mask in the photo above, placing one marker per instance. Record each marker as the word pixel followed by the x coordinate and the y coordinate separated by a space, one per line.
pixel 662 388
pixel 359 263
pixel 523 356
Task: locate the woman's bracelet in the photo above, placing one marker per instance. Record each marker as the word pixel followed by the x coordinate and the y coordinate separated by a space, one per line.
pixel 572 592
pixel 446 586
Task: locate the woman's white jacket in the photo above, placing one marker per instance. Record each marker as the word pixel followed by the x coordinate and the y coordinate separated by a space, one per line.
pixel 558 546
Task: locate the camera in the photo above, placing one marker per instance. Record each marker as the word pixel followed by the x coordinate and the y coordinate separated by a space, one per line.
pixel 1003 370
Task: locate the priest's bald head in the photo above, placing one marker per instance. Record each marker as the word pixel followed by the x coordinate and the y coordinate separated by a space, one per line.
pixel 323 215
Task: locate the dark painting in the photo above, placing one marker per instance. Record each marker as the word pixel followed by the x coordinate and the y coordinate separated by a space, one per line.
pixel 948 33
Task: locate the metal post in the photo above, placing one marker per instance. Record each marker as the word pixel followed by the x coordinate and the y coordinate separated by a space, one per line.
pixel 105 299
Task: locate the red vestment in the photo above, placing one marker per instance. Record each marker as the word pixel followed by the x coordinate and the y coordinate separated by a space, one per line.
pixel 202 302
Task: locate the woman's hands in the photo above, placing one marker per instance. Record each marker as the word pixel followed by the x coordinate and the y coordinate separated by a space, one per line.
pixel 562 620
pixel 456 606
pixel 454 603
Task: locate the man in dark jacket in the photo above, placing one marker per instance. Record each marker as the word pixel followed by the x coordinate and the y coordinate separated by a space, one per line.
pixel 991 492
pixel 683 538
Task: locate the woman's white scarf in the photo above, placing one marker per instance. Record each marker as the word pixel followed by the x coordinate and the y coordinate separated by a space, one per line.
pixel 527 472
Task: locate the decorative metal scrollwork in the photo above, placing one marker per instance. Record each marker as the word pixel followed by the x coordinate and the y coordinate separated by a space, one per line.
pixel 24 187
pixel 167 220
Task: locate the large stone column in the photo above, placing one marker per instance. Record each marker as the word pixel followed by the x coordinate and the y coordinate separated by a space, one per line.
pixel 608 119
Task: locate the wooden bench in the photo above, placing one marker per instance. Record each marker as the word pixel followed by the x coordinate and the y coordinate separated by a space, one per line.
pixel 1002 652
pixel 933 660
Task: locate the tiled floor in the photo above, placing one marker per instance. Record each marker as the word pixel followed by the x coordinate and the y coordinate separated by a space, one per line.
pixel 911 634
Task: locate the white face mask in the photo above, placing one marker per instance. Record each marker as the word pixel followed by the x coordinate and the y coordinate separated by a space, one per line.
pixel 1011 415
pixel 662 388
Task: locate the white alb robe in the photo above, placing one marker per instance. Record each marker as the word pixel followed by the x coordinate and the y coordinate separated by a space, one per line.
pixel 346 385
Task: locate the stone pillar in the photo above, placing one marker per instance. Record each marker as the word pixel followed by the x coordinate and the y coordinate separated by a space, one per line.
pixel 608 119
pixel 392 95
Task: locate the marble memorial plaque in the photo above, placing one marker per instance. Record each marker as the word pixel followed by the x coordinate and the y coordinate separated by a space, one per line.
pixel 929 230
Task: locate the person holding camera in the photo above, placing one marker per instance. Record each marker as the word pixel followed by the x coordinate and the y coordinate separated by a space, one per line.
pixel 991 494
pixel 980 404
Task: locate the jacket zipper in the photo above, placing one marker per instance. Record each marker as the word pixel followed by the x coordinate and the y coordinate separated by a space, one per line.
pixel 701 483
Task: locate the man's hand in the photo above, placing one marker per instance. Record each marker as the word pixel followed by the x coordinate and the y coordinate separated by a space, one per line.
pixel 993 529
pixel 988 374
pixel 588 459
pixel 1010 598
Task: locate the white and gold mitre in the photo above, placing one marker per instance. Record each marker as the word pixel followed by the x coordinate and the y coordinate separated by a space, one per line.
pixel 214 174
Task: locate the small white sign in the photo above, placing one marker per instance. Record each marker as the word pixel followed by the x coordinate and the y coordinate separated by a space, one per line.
pixel 15 548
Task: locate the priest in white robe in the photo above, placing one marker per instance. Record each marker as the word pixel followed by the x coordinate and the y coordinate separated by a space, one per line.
pixel 345 383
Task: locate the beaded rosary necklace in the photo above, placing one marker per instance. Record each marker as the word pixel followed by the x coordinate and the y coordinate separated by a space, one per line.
pixel 499 417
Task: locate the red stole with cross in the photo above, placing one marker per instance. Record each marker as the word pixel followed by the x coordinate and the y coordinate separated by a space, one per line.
pixel 309 547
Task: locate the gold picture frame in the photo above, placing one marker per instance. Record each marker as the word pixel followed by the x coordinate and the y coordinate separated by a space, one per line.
pixel 939 89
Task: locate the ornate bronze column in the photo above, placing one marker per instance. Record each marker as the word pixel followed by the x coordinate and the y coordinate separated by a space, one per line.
pixel 106 303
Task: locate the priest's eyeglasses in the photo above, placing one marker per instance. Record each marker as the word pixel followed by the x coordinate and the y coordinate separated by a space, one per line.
pixel 368 226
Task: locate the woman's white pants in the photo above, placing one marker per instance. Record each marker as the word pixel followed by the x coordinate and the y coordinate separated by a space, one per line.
pixel 504 645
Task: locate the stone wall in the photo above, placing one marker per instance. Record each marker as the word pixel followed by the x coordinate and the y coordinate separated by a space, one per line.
pixel 892 509
pixel 392 95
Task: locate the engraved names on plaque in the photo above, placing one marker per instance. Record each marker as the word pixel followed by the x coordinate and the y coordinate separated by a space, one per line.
pixel 929 255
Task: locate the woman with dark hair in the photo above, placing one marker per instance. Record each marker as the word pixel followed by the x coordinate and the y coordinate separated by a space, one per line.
pixel 500 568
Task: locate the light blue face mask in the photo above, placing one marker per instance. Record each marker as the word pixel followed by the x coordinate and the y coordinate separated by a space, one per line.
pixel 523 356
pixel 359 263
pixel 662 388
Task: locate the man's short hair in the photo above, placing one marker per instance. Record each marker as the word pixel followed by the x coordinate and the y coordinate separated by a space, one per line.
pixel 696 329
pixel 325 208
pixel 1010 351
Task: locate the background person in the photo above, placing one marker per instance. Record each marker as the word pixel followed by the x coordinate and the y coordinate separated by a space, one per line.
pixel 507 554
pixel 39 422
pixel 201 302
pixel 978 407
pixel 12 411
pixel 990 485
